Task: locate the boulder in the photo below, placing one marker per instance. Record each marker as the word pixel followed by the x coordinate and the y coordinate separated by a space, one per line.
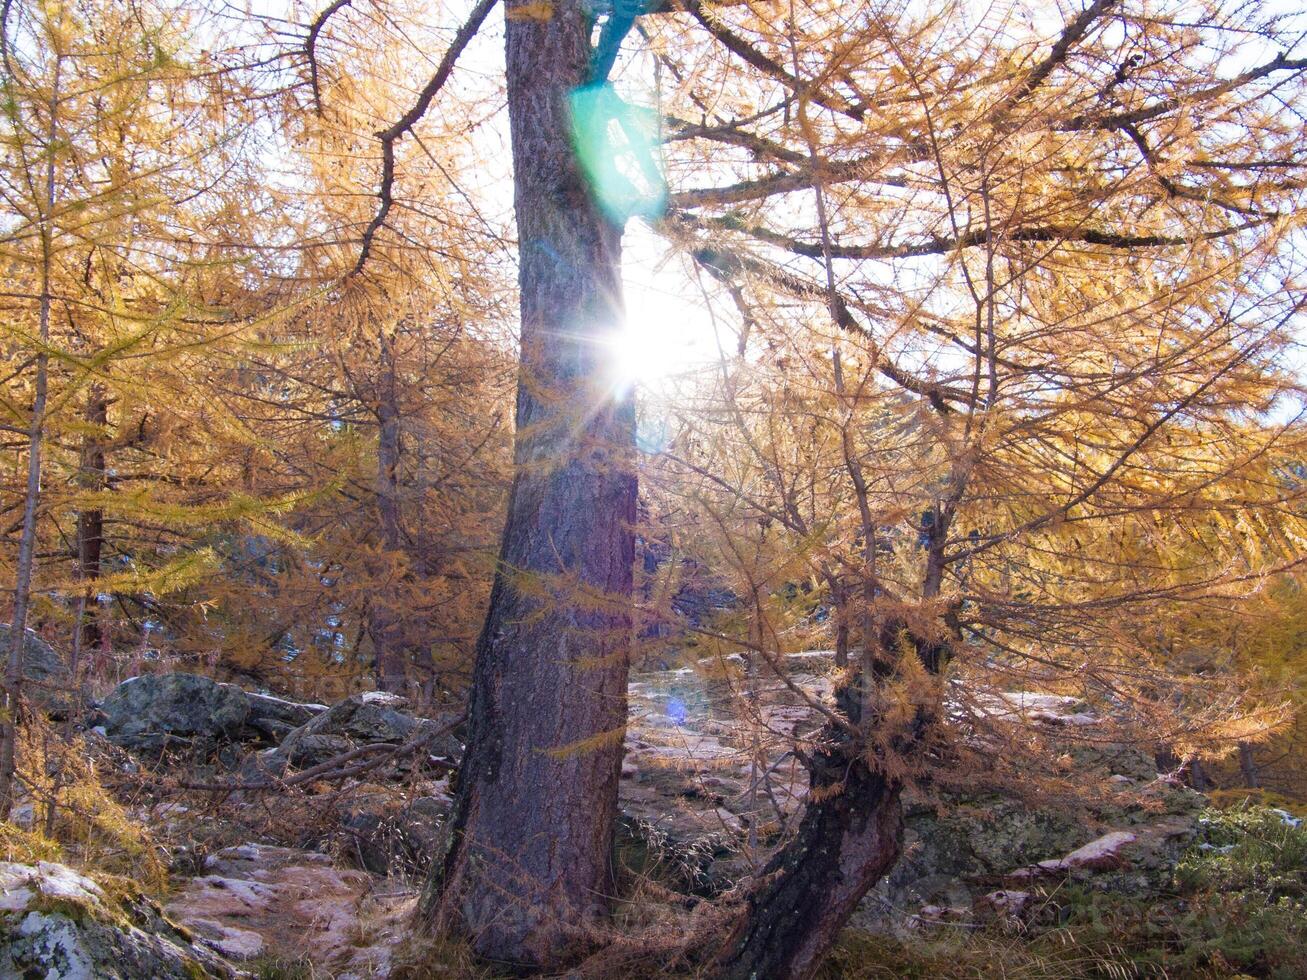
pixel 1101 854
pixel 159 711
pixel 57 924
pixel 154 713
pixel 274 718
pixel 44 670
pixel 369 718
pixel 955 856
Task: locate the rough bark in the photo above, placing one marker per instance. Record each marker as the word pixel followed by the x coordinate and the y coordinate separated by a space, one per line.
pixel 851 835
pixel 845 843
pixel 528 869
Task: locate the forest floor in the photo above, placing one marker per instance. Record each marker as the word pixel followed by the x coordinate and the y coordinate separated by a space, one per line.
pixel 318 877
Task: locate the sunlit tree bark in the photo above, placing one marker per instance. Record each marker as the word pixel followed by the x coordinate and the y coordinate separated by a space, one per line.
pixel 529 866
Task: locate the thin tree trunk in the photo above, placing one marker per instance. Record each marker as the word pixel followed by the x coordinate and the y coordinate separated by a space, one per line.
pixel 384 626
pixel 90 523
pixel 13 674
pixel 528 871
pixel 1247 765
pixel 1166 759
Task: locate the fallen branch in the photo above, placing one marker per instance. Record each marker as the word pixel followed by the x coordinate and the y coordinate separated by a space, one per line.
pixel 330 770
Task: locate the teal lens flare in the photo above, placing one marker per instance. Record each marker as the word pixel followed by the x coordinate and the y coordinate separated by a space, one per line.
pixel 617 146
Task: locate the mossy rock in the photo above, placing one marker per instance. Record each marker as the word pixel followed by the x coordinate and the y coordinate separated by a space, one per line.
pixel 58 923
pixel 988 837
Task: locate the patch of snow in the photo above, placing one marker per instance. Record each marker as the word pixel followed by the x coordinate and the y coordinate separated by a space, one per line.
pixel 382 697
pixel 1101 853
pixel 20 883
pixel 251 894
pixel 230 941
pixel 297 704
pixel 1287 818
pixel 1023 706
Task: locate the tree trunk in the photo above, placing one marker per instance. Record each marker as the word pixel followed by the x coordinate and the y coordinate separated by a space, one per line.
pixel 1247 765
pixel 845 844
pixel 528 871
pixel 13 672
pixel 385 628
pixel 851 834
pixel 90 523
pixel 1167 761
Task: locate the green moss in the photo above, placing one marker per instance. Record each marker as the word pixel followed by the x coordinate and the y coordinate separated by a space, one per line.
pixel 1235 906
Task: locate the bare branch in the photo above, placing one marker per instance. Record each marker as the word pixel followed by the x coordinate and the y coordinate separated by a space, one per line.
pixel 725 266
pixel 391 136
pixel 936 245
pixel 334 768
pixel 748 53
pixel 1281 62
pixel 1071 34
pixel 311 47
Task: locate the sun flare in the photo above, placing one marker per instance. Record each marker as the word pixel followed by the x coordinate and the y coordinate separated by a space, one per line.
pixel 669 332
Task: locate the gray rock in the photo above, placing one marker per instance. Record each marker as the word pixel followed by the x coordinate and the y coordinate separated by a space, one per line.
pixel 369 718
pixel 56 924
pixel 45 673
pixel 686 791
pixel 274 718
pixel 157 712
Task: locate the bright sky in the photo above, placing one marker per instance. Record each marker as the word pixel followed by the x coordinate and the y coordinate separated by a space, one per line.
pixel 671 334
